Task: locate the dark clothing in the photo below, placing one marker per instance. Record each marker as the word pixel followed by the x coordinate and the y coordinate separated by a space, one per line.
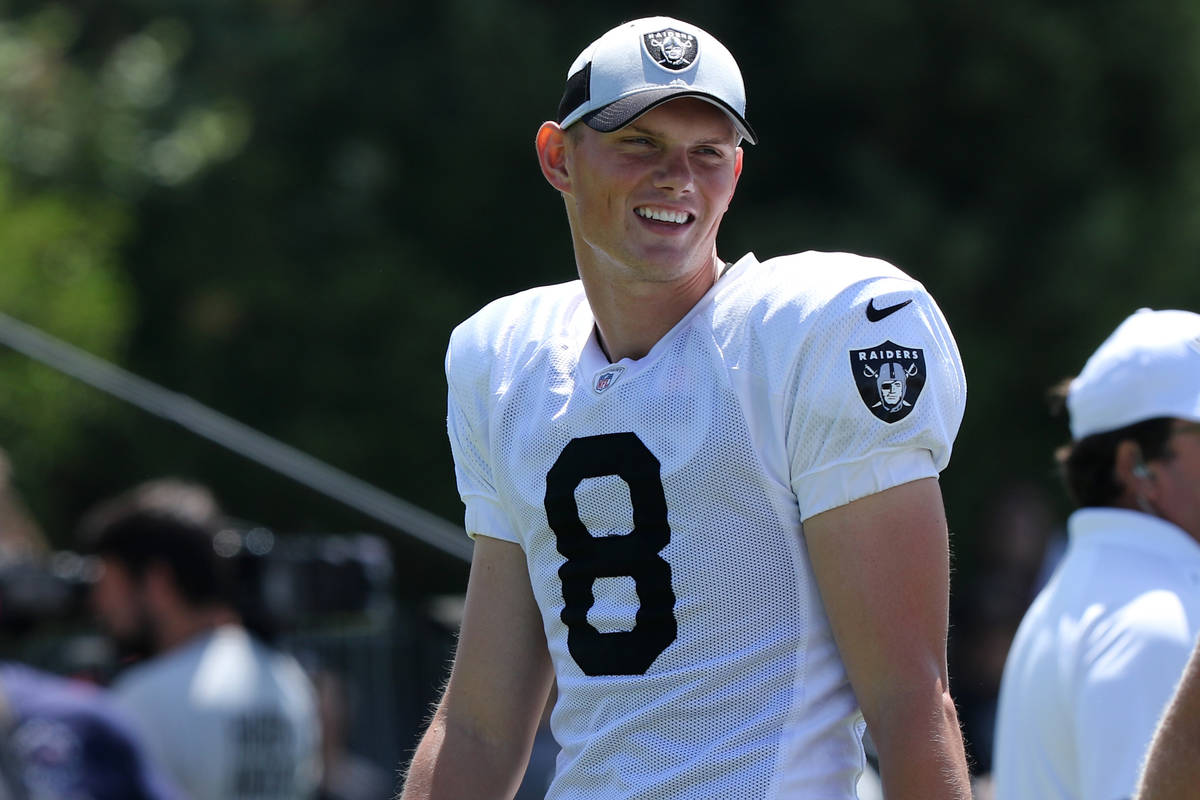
pixel 68 740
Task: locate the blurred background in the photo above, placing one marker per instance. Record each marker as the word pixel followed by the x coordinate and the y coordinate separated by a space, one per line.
pixel 280 208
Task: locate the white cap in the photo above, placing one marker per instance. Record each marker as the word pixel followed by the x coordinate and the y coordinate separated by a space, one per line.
pixel 1149 367
pixel 644 63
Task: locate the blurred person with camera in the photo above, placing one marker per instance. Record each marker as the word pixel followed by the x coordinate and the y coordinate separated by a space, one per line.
pixel 1098 654
pixel 228 716
pixel 59 737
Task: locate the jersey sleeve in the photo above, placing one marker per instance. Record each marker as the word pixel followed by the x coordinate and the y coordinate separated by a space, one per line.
pixel 467 380
pixel 877 394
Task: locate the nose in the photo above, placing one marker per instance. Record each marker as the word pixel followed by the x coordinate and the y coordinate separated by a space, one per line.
pixel 674 172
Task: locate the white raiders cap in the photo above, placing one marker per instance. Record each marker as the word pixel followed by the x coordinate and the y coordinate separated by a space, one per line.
pixel 644 63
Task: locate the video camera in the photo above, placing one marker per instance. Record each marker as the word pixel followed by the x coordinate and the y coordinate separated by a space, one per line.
pixel 281 582
pixel 36 593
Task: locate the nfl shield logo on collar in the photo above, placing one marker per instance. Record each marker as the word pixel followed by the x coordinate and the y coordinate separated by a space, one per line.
pixel 890 378
pixel 672 49
pixel 606 378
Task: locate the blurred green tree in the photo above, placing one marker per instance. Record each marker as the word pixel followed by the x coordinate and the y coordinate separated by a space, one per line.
pixel 282 207
pixel 85 132
pixel 303 198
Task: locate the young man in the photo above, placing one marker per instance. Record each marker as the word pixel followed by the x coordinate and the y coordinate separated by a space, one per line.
pixel 1095 660
pixel 227 716
pixel 693 505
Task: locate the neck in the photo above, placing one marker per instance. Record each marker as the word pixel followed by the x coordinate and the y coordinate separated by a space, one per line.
pixel 176 629
pixel 632 316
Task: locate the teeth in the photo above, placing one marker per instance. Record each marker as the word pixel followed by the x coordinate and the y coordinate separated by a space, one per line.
pixel 662 215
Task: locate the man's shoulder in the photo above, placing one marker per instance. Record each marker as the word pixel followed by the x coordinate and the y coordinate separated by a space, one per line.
pixel 816 277
pixel 507 332
pixel 152 681
pixel 535 312
pixel 540 300
pixel 807 292
pixel 1114 597
pixel 291 677
pixel 32 691
pixel 215 664
pixel 161 675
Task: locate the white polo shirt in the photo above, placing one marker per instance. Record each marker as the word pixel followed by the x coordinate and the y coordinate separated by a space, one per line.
pixel 1096 659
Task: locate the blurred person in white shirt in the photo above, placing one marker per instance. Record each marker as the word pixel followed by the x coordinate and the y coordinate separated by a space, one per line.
pixel 226 714
pixel 1101 649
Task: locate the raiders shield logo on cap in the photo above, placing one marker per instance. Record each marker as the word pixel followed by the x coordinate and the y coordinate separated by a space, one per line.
pixel 890 378
pixel 671 48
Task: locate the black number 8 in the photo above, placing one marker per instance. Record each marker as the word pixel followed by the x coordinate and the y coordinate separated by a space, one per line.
pixel 635 554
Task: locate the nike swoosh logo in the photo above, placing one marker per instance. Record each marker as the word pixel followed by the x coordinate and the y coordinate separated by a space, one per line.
pixel 875 314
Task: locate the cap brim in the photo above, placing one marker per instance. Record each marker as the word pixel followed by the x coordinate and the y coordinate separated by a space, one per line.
pixel 618 114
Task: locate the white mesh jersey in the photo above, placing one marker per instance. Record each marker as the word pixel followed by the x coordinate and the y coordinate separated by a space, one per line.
pixel 659 504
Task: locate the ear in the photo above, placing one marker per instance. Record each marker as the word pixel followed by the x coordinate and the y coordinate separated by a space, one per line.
pixel 1133 472
pixel 737 173
pixel 552 155
pixel 158 586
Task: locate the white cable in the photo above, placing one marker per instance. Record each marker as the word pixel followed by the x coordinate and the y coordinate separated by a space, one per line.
pixel 214 426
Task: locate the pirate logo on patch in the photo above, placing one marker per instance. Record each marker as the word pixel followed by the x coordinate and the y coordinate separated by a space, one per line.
pixel 671 48
pixel 890 378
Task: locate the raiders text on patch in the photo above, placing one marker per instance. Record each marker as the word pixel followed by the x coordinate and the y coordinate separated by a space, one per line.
pixel 889 378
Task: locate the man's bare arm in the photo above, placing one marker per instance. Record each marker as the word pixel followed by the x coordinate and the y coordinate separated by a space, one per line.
pixel 478 742
pixel 882 565
pixel 1173 764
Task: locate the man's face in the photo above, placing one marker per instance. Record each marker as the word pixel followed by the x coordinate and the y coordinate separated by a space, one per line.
pixel 1177 478
pixel 116 600
pixel 646 200
pixel 891 391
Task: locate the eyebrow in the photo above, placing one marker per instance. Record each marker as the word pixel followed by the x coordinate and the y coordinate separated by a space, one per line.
pixel 634 126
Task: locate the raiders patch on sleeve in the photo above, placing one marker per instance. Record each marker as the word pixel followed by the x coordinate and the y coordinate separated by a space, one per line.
pixel 889 378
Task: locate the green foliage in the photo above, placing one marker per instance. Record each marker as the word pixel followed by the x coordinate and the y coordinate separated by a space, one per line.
pixel 303 198
pixel 110 119
pixel 83 135
pixel 60 273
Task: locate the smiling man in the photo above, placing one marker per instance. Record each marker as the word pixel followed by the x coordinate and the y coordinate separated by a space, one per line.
pixel 690 509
